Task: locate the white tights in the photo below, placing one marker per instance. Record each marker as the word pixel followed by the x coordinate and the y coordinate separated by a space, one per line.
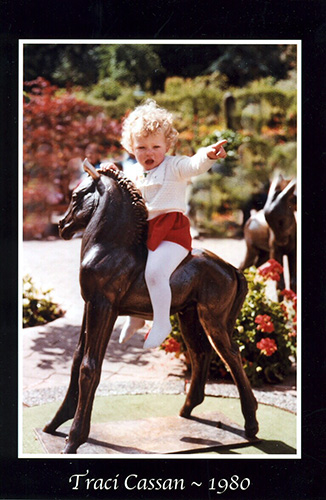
pixel 159 266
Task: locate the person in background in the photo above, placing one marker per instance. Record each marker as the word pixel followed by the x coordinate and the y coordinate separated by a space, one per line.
pixel 93 154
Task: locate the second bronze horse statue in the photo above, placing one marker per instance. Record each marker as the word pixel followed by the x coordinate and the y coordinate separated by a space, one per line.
pixel 207 295
pixel 271 232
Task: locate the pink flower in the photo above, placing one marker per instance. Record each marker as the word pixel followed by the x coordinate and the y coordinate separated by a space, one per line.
pixel 265 323
pixel 267 346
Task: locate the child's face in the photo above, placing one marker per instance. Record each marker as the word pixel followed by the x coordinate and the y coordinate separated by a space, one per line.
pixel 150 150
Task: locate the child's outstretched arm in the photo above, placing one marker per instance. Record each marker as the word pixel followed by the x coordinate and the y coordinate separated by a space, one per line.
pixel 216 151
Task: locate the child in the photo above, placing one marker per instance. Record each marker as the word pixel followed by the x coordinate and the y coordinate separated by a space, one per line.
pixel 148 134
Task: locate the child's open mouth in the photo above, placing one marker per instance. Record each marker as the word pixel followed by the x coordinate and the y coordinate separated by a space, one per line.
pixel 149 162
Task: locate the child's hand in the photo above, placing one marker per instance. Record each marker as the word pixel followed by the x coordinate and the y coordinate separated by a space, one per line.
pixel 108 166
pixel 216 151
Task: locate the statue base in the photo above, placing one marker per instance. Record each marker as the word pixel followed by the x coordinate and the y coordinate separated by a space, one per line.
pixel 159 435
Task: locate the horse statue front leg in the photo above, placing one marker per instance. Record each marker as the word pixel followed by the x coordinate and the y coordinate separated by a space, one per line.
pixel 68 407
pixel 100 318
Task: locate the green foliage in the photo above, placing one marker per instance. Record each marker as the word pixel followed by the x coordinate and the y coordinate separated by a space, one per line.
pixel 261 367
pixel 38 307
pixel 192 98
pixel 244 63
pixel 107 89
pixel 62 64
pixel 129 64
pixel 246 171
pixel 266 90
pixel 143 64
pixel 58 125
pixel 265 333
pixel 263 103
pixel 115 108
pixel 284 157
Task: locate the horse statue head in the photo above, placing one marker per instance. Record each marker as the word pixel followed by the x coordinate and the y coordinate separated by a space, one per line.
pixel 104 203
pixel 279 210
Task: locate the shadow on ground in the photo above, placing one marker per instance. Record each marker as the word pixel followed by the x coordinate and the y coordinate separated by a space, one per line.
pixel 55 344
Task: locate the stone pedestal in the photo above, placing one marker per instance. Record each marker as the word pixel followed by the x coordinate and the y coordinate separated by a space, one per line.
pixel 159 435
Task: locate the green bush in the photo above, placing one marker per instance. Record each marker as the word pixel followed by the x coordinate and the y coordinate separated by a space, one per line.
pixel 265 89
pixel 38 307
pixel 107 89
pixel 265 331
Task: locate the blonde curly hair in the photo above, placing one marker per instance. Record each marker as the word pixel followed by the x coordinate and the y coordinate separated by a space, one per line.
pixel 148 118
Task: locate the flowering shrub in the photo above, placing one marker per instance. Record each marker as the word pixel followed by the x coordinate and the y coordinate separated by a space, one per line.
pixel 57 127
pixel 174 343
pixel 265 330
pixel 272 270
pixel 38 307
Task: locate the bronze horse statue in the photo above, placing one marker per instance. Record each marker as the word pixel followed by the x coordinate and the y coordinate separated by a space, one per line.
pixel 271 232
pixel 207 295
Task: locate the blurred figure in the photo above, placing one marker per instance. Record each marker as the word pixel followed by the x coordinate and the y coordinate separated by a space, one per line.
pixel 93 154
pixel 75 166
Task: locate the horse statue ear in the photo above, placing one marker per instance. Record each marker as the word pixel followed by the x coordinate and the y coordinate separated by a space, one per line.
pixel 289 189
pixel 91 170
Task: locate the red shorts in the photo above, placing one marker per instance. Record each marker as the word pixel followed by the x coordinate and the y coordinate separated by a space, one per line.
pixel 173 226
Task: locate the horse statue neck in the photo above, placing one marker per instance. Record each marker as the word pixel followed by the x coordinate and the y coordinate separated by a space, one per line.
pixel 120 216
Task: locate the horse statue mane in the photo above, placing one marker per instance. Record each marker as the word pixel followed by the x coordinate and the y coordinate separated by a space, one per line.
pixel 137 201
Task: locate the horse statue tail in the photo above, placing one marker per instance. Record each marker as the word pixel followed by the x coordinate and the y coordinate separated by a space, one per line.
pixel 242 290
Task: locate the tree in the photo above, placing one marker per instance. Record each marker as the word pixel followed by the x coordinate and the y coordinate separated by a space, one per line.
pixel 244 63
pixel 62 64
pixel 131 65
pixel 148 65
pixel 57 128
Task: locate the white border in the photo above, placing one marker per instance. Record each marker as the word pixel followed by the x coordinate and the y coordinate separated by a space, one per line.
pixel 296 42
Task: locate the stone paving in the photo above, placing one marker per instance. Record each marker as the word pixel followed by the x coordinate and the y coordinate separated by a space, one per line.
pixel 46 351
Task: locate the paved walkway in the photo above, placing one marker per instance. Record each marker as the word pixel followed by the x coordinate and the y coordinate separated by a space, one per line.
pixel 46 351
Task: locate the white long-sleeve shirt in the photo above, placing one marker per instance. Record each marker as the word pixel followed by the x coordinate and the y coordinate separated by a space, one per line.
pixel 164 187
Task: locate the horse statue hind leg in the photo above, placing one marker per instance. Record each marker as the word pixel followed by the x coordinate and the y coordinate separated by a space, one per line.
pixel 210 324
pixel 219 329
pixel 200 351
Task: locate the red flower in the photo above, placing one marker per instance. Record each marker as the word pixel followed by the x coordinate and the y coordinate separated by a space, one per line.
pixel 285 310
pixel 271 269
pixel 265 323
pixel 289 295
pixel 267 346
pixel 171 345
